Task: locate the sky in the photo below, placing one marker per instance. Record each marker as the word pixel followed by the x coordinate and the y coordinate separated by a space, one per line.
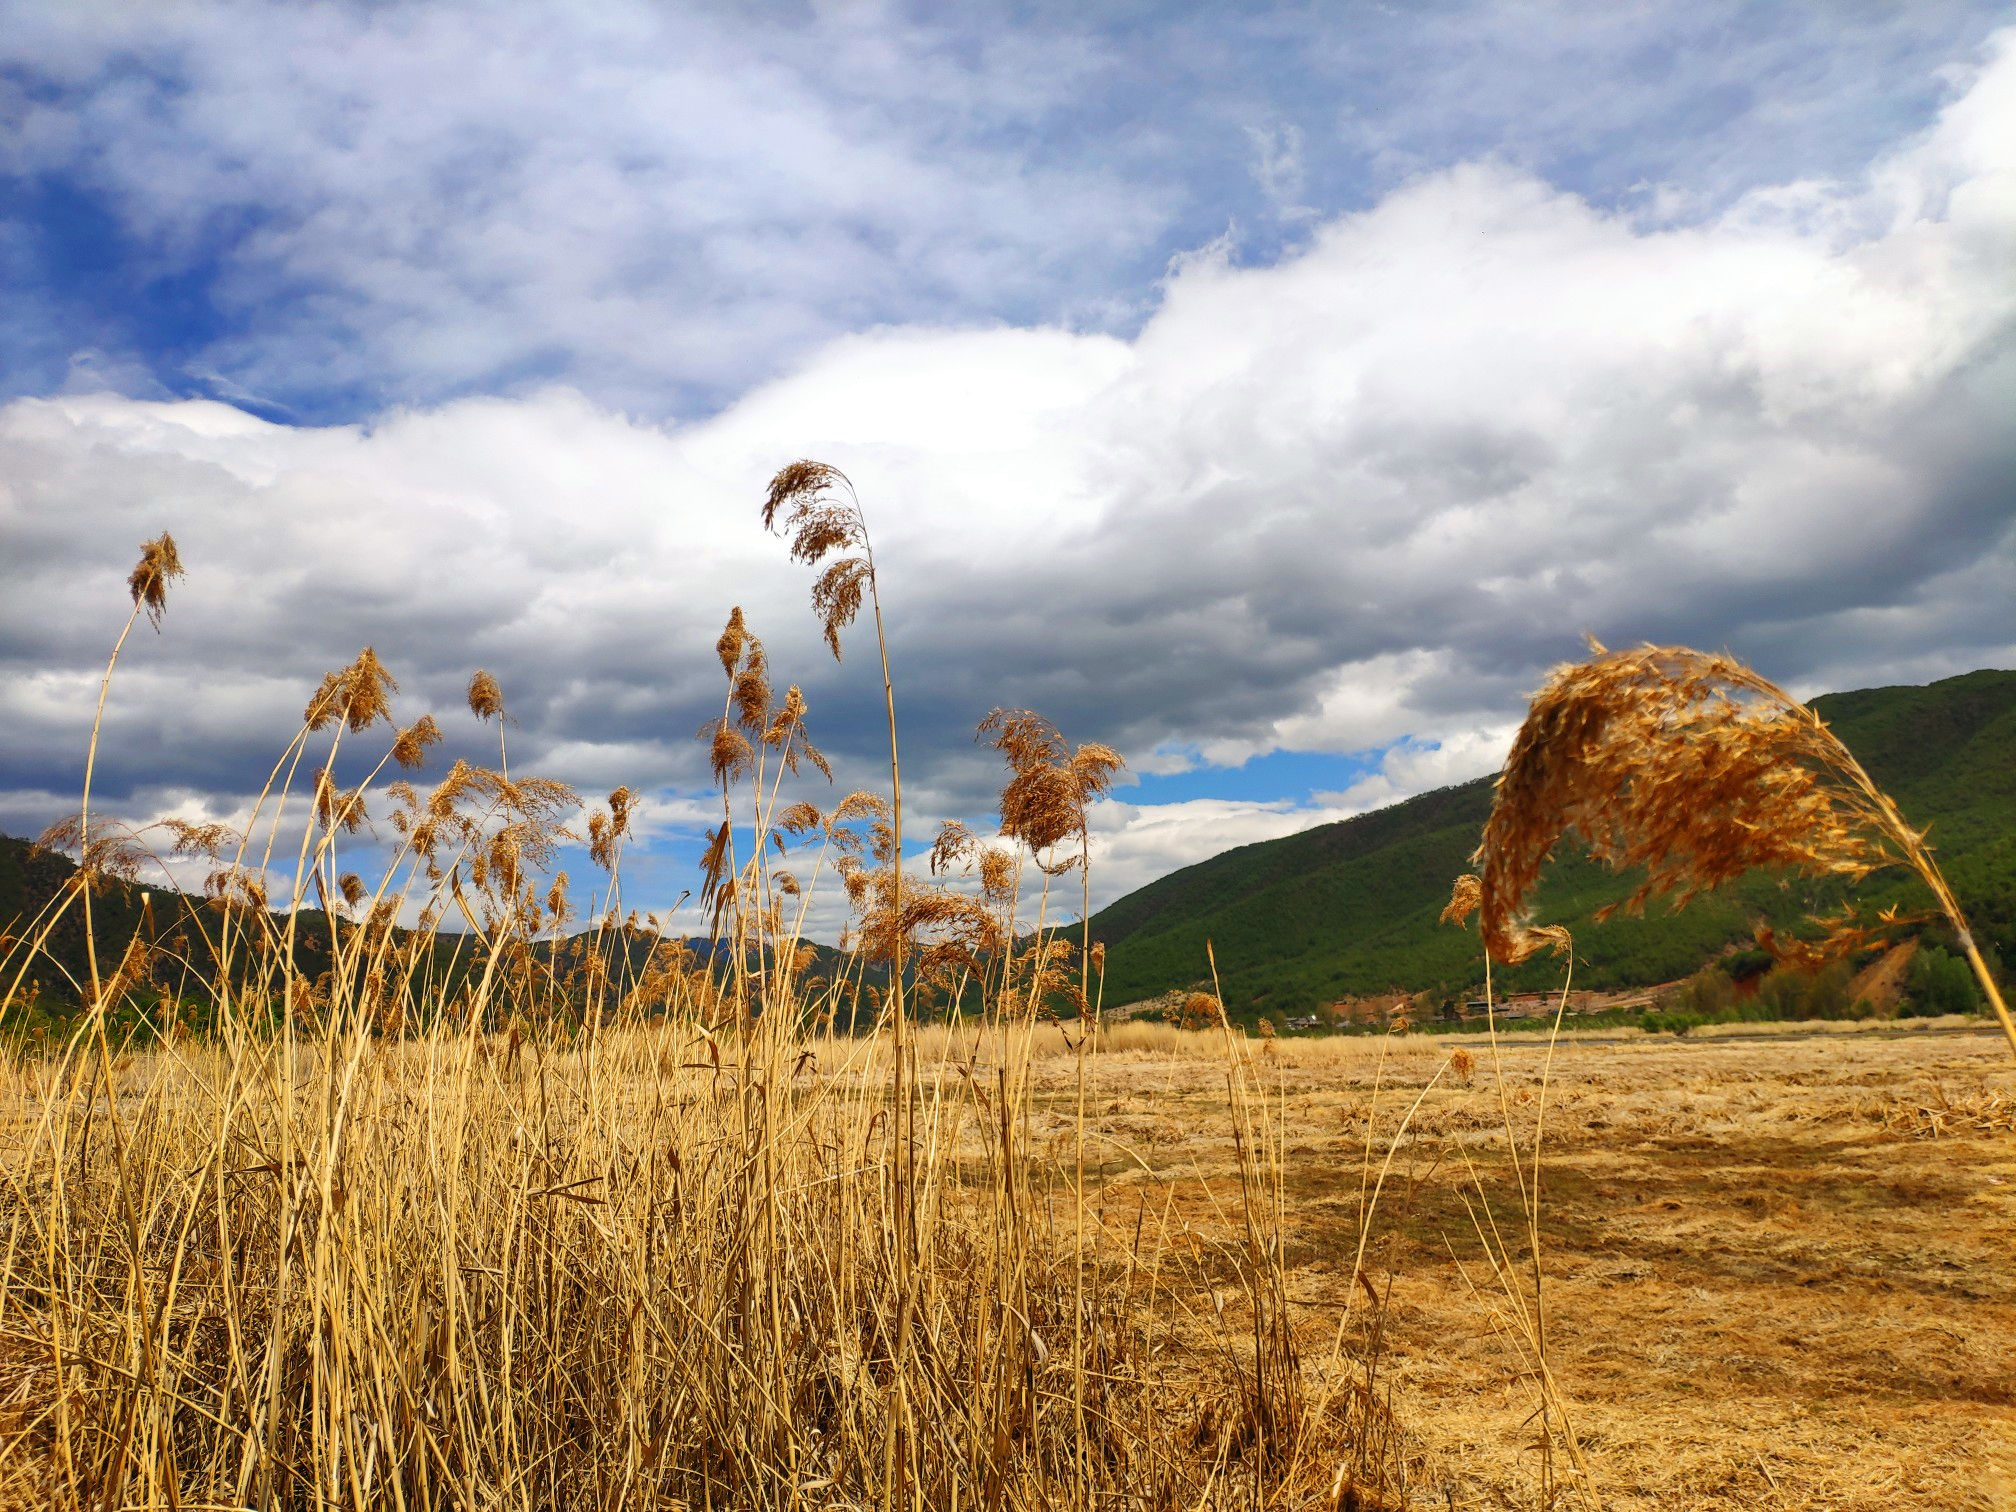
pixel 1271 392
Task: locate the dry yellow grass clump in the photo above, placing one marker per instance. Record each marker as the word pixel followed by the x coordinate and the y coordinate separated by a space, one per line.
pixel 557 1211
pixel 458 1270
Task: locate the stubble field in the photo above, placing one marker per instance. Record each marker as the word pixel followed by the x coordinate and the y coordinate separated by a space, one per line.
pixel 1775 1268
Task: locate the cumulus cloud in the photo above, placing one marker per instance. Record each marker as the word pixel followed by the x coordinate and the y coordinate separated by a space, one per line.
pixel 1353 501
pixel 342 206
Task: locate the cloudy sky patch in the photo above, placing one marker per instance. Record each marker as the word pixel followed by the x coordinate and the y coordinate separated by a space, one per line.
pixel 1274 398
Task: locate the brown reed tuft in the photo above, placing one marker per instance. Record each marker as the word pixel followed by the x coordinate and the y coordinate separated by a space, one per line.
pixel 787 736
pixel 750 691
pixel 199 839
pixel 159 565
pixel 410 747
pixel 109 854
pixel 357 696
pixel 486 699
pixel 338 808
pixel 1050 785
pixel 1697 769
pixel 954 844
pixel 729 753
pixel 819 521
pixel 729 646
pixel 606 830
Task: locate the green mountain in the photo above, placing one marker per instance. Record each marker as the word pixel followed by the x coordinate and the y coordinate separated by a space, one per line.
pixel 1353 908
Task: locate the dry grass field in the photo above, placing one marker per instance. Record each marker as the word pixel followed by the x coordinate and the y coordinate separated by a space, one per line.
pixel 1776 1266
pixel 1773 1272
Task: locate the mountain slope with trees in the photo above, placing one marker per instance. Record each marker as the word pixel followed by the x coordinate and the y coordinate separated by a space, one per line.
pixel 1353 908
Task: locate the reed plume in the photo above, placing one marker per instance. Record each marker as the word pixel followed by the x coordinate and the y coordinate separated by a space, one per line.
pixel 357 696
pixel 486 699
pixel 159 565
pixel 410 749
pixel 1697 769
pixel 821 516
pixel 1050 785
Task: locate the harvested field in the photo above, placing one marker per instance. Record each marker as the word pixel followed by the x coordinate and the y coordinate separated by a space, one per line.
pixel 1776 1268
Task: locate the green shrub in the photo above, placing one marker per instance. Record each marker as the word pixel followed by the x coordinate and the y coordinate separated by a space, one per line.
pixel 1678 1022
pixel 1939 983
pixel 1782 994
pixel 1707 995
pixel 1827 993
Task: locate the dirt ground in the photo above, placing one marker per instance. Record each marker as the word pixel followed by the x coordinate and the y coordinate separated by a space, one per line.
pixel 1776 1271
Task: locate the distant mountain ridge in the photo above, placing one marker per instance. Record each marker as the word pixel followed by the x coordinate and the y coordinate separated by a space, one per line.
pixel 1353 908
pixel 32 878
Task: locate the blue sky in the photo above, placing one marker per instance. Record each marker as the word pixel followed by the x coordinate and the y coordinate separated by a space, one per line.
pixel 1271 391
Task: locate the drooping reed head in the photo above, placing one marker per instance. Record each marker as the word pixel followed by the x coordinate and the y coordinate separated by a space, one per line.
pixel 1049 784
pixel 606 830
pixel 358 696
pixel 1688 765
pixel 110 853
pixel 787 736
pixel 409 749
pixel 813 505
pixel 159 565
pixel 338 808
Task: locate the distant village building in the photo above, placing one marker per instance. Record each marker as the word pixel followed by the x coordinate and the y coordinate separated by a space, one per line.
pixel 1381 1011
pixel 1522 1005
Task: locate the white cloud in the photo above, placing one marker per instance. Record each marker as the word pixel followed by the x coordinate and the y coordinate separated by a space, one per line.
pixel 638 198
pixel 1360 497
pixel 1133 844
pixel 345 205
pixel 1279 169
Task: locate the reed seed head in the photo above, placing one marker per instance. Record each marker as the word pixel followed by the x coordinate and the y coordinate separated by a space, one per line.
pixel 1688 765
pixel 815 507
pixel 358 696
pixel 486 699
pixel 195 839
pixel 955 843
pixel 801 818
pixel 730 755
pixel 409 749
pixel 159 565
pixel 1049 785
pixel 111 853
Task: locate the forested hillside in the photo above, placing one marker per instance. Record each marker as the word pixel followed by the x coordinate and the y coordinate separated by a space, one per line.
pixel 1353 908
